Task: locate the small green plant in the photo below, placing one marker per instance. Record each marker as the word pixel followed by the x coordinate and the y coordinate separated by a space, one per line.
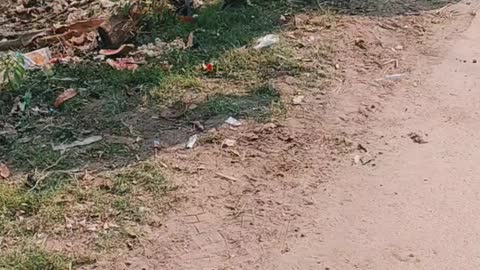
pixel 12 70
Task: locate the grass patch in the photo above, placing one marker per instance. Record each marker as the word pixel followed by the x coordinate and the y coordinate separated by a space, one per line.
pixel 127 105
pixel 380 7
pixel 13 200
pixel 129 196
pixel 107 97
pixel 34 259
pixel 256 104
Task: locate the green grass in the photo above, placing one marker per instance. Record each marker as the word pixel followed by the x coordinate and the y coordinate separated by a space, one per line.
pixel 380 7
pixel 34 259
pixel 14 201
pixel 120 197
pixel 256 104
pixel 107 99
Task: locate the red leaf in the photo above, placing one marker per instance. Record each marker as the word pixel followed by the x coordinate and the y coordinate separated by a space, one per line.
pixel 210 67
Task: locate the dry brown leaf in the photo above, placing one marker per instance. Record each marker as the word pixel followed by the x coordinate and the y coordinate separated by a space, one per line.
pixel 4 171
pixel 66 95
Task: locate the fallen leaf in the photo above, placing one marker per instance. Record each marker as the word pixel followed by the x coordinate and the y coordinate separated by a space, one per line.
pixel 123 50
pixel 123 64
pixel 189 41
pixel 186 19
pixel 66 95
pixel 4 171
pixel 297 100
pixel 87 141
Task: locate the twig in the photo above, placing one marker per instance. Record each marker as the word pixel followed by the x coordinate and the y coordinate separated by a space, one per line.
pixel 395 61
pixel 226 177
pixel 54 164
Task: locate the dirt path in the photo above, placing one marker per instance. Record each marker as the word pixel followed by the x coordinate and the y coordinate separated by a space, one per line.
pixel 417 208
pixel 283 199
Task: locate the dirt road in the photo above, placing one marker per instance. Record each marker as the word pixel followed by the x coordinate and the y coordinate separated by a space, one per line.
pixel 417 208
pixel 296 196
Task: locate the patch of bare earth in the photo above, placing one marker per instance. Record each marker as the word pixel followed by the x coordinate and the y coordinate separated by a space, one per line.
pixel 250 201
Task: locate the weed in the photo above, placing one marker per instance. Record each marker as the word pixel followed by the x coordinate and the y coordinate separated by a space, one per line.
pixel 12 70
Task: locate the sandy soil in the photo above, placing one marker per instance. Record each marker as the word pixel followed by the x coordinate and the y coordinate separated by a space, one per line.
pixel 343 183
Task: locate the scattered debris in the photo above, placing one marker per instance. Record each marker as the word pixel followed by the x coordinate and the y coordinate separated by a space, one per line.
pixel 123 50
pixel 121 27
pixel 360 147
pixel 361 43
pixel 394 77
pixel 208 67
pixel 65 96
pixel 417 138
pixel 297 100
pixel 4 171
pixel 192 141
pixel 159 48
pixel 156 148
pixel 267 41
pixel 233 122
pixel 189 41
pixel 227 177
pixel 37 59
pixel 357 159
pixel 366 162
pixel 84 142
pixel 394 61
pixel 19 105
pixel 123 64
pixel 228 143
pixel 197 125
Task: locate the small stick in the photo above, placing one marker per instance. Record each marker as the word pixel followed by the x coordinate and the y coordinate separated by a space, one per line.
pixel 226 177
